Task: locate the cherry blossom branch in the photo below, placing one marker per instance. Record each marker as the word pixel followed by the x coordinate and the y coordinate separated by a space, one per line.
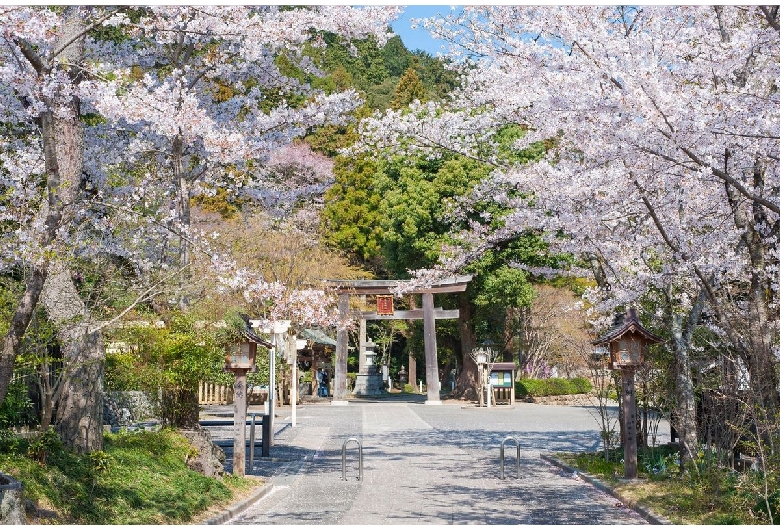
pixel 32 57
pixel 731 180
pixel 145 295
pixel 771 16
pixel 183 235
pixel 705 283
pixel 86 30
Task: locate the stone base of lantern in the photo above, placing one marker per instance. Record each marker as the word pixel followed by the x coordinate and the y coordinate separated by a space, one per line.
pixel 369 384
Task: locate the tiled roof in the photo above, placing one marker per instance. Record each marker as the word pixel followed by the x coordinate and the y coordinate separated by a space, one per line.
pixel 502 367
pixel 249 333
pixel 317 336
pixel 630 323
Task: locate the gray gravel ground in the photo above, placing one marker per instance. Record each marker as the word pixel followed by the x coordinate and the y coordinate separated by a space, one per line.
pixel 429 465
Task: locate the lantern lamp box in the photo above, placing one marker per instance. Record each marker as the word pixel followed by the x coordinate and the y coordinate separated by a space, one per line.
pixel 241 355
pixel 629 350
pixel 627 341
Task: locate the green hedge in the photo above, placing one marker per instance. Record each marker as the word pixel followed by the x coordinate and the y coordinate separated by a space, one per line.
pixel 555 386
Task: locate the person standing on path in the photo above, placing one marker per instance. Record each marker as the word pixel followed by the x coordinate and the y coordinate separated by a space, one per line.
pixel 325 381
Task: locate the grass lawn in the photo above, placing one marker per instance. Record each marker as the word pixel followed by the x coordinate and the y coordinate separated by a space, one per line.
pixel 707 494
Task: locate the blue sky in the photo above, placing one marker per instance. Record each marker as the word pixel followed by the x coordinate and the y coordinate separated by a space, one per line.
pixel 419 38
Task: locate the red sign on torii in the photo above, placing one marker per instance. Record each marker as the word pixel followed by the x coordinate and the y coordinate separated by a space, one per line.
pixel 384 304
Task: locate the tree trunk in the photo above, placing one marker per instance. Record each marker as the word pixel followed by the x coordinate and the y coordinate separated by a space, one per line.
pixel 756 348
pixel 63 149
pixel 184 217
pixel 465 385
pixel 685 412
pixel 47 391
pixel 79 416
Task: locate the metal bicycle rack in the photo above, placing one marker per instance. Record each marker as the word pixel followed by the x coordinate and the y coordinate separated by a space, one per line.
pixel 502 455
pixel 344 459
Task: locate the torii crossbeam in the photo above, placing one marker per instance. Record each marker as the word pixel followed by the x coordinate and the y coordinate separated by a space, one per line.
pixel 429 314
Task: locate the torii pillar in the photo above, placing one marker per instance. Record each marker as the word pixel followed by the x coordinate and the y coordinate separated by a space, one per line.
pixel 340 370
pixel 431 351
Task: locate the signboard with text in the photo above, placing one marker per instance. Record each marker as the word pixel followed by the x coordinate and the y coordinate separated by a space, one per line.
pixel 384 305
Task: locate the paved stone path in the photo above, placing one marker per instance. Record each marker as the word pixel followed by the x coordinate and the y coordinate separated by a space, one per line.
pixel 430 465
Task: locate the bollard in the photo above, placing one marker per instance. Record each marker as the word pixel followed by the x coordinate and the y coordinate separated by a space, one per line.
pixel 344 458
pixel 252 444
pixel 266 435
pixel 502 455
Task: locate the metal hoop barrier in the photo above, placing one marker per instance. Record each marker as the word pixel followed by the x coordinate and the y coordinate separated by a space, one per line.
pixel 502 455
pixel 344 459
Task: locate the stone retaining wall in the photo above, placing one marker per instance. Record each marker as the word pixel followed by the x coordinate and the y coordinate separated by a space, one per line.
pixel 11 501
pixel 124 408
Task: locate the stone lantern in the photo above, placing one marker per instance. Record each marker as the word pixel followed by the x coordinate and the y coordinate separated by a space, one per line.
pixel 483 355
pixel 627 343
pixel 403 376
pixel 368 382
pixel 370 355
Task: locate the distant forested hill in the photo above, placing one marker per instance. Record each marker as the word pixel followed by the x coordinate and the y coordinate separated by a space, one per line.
pixel 386 77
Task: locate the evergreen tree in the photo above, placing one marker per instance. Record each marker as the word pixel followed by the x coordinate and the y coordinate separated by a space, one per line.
pixel 409 89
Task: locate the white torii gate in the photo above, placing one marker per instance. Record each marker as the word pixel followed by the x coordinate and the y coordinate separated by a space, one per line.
pixel 428 313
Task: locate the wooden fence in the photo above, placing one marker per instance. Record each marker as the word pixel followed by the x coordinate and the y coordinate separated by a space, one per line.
pixel 214 394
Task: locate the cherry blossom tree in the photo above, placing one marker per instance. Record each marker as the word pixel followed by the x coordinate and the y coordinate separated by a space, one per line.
pixel 39 78
pixel 203 94
pixel 113 118
pixel 662 168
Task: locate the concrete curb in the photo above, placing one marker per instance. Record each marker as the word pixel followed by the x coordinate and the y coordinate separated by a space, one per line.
pixel 241 506
pixel 650 516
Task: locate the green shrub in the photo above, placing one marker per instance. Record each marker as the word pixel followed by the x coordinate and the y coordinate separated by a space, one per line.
pixel 10 442
pixel 595 464
pixel 168 363
pixel 17 409
pixel 554 386
pixel 582 385
pixel 46 444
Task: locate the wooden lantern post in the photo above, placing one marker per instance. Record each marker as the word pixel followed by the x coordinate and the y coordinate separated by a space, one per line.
pixel 240 359
pixel 628 342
